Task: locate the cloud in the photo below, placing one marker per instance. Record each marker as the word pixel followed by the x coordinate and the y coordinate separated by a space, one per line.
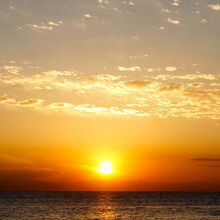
pixel 114 95
pixel 30 179
pixel 138 56
pixel 49 26
pixel 95 110
pixel 203 21
pixel 137 83
pixel 48 80
pixel 173 21
pixel 60 106
pixel 171 87
pixel 11 69
pixel 30 102
pixel 215 7
pixel 41 26
pixel 151 70
pixel 132 68
pixel 161 28
pixel 171 68
pixel 205 159
pixel 176 2
pixel 208 165
pixel 52 23
pixel 23 103
pixel 89 16
pixel 106 77
pixel 128 3
pixel 186 77
pixel 208 162
pixel 5 100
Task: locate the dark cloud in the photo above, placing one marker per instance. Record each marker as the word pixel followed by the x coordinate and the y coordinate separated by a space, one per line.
pixel 3 98
pixel 138 83
pixel 31 101
pixel 208 165
pixel 29 180
pixel 171 87
pixel 205 159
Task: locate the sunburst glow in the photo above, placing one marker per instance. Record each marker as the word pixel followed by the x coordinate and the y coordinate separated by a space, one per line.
pixel 105 167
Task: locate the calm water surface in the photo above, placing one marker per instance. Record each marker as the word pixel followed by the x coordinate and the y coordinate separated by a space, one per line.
pixel 108 205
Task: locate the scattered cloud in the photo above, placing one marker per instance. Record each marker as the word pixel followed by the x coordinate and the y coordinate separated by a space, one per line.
pixel 137 83
pixel 186 77
pixel 171 68
pixel 171 87
pixel 127 95
pixel 132 68
pixel 11 69
pixel 173 21
pixel 49 26
pixel 30 102
pixel 161 28
pixel 138 56
pixel 215 7
pixel 203 21
pixel 23 103
pixel 176 2
pixel 96 110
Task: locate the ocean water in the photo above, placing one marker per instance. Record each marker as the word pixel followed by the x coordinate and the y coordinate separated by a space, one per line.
pixel 108 205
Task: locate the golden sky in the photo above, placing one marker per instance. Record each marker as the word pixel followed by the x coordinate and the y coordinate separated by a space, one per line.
pixel 132 82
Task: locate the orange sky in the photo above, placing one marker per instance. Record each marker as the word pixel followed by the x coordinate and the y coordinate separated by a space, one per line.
pixel 136 83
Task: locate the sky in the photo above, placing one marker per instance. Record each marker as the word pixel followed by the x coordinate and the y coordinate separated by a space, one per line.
pixel 133 82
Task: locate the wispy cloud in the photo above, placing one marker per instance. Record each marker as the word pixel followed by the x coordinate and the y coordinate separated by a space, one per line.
pixel 186 77
pixel 205 159
pixel 23 103
pixel 49 26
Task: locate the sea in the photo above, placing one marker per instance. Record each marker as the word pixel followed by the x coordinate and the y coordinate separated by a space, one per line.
pixel 108 205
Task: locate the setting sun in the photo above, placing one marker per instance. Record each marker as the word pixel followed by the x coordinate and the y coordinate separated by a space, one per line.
pixel 105 167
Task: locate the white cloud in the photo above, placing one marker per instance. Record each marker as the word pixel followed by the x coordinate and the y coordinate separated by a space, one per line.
pixel 215 7
pixel 176 2
pixel 132 68
pixel 41 26
pixel 87 16
pixel 88 109
pixel 50 25
pixel 161 28
pixel 186 77
pixel 203 21
pixel 173 21
pixel 11 68
pixel 138 56
pixel 171 68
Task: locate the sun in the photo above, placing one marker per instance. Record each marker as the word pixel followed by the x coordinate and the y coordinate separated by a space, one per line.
pixel 105 168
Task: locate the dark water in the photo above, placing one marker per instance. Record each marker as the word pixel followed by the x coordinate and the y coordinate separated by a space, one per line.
pixel 108 205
